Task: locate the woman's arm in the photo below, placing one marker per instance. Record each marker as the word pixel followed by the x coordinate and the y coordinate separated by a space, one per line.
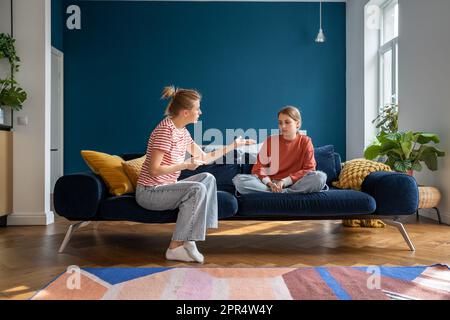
pixel 219 153
pixel 157 169
pixel 197 152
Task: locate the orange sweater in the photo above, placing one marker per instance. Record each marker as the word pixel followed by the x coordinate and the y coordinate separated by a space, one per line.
pixel 295 158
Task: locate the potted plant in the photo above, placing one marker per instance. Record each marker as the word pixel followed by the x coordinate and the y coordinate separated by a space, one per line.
pixel 11 94
pixel 402 151
pixel 387 120
pixel 406 151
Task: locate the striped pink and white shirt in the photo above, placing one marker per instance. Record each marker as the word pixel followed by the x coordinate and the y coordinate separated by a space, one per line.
pixel 174 142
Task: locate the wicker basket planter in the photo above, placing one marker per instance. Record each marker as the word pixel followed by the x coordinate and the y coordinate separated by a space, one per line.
pixel 429 198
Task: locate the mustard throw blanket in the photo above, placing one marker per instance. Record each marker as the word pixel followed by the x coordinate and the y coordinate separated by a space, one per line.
pixel 352 176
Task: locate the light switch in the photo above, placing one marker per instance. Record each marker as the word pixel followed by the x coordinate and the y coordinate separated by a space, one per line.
pixel 22 121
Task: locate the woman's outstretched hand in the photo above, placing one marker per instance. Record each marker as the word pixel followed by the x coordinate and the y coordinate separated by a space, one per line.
pixel 239 142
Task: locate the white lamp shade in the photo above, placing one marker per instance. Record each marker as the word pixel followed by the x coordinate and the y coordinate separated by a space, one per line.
pixel 320 37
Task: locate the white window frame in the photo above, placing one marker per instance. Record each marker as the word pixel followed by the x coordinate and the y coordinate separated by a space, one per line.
pixel 383 49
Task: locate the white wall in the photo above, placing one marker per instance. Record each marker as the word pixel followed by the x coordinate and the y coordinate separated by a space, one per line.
pixel 424 81
pixel 355 79
pixel 5 16
pixel 31 155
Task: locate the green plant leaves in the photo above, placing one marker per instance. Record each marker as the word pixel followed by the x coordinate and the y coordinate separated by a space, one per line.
pixel 8 50
pixel 387 120
pixel 388 146
pixel 11 95
pixel 404 151
pixel 402 166
pixel 406 143
pixel 429 155
pixel 417 167
pixel 424 138
pixel 372 152
pixel 431 161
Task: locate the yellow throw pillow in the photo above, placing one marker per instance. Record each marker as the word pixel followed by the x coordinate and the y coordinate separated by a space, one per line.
pixel 355 171
pixel 109 167
pixel 371 223
pixel 352 176
pixel 133 168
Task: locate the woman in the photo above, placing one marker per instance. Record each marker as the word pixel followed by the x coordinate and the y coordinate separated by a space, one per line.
pixel 196 196
pixel 285 162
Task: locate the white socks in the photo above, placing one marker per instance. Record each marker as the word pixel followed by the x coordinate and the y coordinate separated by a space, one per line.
pixel 188 252
pixel 191 248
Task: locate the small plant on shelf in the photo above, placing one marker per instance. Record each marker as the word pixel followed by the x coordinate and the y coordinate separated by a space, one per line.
pixel 11 94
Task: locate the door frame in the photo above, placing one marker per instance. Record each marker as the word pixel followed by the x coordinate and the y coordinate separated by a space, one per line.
pixel 60 55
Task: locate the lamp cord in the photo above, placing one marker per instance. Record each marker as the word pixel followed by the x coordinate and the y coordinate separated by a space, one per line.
pixel 320 14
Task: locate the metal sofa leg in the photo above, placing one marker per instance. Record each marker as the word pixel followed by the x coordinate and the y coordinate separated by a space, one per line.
pixel 402 230
pixel 438 214
pixel 72 228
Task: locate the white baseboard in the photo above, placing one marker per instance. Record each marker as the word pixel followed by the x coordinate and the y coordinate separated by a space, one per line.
pixel 31 219
pixel 431 214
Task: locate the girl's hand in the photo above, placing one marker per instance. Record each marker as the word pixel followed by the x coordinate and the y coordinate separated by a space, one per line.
pixel 275 187
pixel 280 184
pixel 239 142
pixel 193 163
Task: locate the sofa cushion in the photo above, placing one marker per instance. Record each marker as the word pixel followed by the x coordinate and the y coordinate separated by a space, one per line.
pixel 223 173
pixel 125 207
pixel 109 167
pixel 337 164
pixel 133 168
pixel 326 162
pixel 355 171
pixel 330 203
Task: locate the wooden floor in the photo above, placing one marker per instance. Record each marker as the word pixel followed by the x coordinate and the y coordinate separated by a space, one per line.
pixel 29 258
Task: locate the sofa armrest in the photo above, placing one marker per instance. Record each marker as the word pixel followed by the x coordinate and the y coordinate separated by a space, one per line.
pixel 395 193
pixel 78 196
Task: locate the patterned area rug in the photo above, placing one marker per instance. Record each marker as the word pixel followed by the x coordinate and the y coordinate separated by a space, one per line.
pixel 329 283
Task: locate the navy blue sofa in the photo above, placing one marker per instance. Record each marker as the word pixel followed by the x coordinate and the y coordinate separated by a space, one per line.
pixel 84 197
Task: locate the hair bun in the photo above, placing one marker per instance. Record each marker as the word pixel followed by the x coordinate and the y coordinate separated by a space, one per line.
pixel 168 92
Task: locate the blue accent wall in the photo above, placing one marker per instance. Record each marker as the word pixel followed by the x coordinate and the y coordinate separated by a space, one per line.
pixel 247 59
pixel 57 24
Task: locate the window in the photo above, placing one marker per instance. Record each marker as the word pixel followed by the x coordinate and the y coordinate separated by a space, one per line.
pixel 388 54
